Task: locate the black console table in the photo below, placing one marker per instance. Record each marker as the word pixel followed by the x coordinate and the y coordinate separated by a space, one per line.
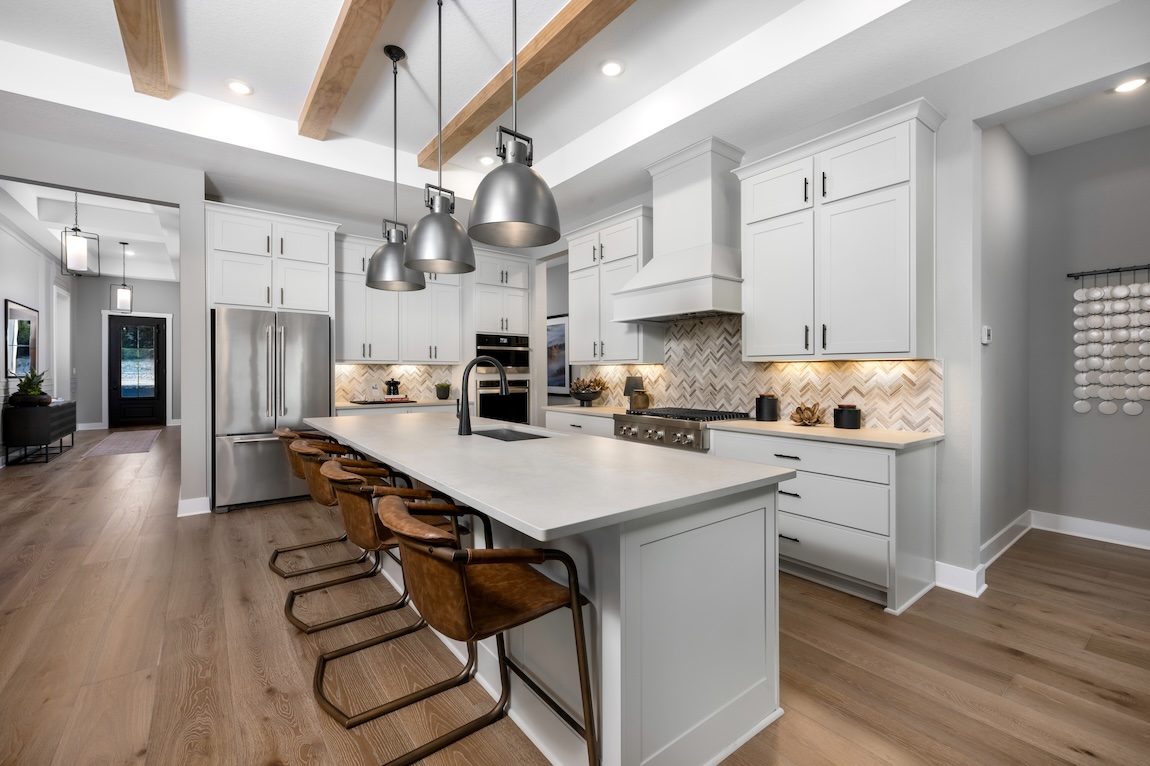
pixel 39 431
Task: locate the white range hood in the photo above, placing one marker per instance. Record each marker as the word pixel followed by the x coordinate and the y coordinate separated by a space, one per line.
pixel 695 270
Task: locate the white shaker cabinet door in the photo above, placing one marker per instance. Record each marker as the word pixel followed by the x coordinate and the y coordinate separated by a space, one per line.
pixel 583 317
pixel 779 286
pixel 351 256
pixel 241 280
pixel 300 286
pixel 864 279
pixel 300 242
pixel 779 191
pixel 489 316
pixel 516 274
pixel 870 162
pixel 517 310
pixel 618 341
pixel 415 310
pixel 583 252
pixel 619 241
pixel 447 313
pixel 382 323
pixel 238 233
pixel 350 318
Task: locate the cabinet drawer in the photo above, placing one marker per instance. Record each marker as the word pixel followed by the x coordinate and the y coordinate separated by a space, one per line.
pixel 592 425
pixel 856 504
pixel 834 548
pixel 815 457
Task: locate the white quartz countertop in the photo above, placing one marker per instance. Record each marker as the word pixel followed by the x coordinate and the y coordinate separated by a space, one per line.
pixel 547 488
pixel 862 437
pixel 345 405
pixel 575 409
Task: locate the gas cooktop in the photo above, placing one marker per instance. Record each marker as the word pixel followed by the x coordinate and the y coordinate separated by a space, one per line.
pixel 683 413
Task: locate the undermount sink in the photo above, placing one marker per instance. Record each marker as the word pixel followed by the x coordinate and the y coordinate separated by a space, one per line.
pixel 507 434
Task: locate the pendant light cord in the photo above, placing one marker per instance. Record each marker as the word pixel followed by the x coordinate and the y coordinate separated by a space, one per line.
pixel 514 66
pixel 124 250
pixel 395 134
pixel 439 97
pixel 76 211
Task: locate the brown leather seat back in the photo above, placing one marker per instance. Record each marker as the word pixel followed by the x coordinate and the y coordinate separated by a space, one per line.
pixel 438 588
pixel 286 437
pixel 359 519
pixel 311 459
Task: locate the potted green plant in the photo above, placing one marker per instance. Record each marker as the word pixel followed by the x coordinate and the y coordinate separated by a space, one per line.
pixel 442 390
pixel 30 391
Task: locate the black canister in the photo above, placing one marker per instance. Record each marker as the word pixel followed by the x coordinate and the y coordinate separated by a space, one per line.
pixel 848 416
pixel 767 408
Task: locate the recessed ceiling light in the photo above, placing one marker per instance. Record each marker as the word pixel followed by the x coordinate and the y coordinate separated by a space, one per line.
pixel 239 87
pixel 486 160
pixel 611 68
pixel 1130 85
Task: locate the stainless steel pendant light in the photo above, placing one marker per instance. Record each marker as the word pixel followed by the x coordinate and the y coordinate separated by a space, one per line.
pixel 438 243
pixel 79 250
pixel 121 294
pixel 385 270
pixel 513 205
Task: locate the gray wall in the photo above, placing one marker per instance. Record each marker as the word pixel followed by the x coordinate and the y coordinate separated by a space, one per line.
pixel 557 288
pixel 1088 210
pixel 79 167
pixel 89 301
pixel 1005 416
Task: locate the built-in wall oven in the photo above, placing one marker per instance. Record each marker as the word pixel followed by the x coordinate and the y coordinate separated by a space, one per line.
pixel 515 406
pixel 512 351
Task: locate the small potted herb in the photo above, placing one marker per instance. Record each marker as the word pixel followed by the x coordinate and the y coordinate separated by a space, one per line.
pixel 442 390
pixel 30 391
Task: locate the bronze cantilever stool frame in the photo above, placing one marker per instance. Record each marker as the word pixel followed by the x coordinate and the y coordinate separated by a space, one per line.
pixel 472 594
pixel 365 529
pixel 286 437
pixel 313 456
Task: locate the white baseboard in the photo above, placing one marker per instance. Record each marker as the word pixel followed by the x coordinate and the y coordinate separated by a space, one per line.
pixel 1091 529
pixel 193 506
pixel 969 582
pixel 90 426
pixel 1000 543
pixel 174 422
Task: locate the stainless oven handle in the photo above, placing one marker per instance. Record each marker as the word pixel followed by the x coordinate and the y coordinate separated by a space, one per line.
pixel 515 390
pixel 502 348
pixel 256 441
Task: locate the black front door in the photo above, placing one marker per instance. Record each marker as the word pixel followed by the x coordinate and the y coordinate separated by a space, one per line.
pixel 137 379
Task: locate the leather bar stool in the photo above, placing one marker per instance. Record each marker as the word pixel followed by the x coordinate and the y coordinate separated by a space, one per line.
pixel 286 437
pixel 472 594
pixel 312 456
pixel 365 529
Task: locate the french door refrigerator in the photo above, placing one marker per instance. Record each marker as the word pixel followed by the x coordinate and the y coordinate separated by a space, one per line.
pixel 269 370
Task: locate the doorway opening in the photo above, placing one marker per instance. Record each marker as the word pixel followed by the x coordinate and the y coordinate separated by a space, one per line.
pixel 137 371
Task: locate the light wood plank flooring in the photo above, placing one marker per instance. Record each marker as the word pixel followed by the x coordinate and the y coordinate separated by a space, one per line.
pixel 128 636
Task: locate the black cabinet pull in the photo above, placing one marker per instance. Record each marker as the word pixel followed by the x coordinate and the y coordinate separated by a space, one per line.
pixel 790 494
pixel 788 457
pixel 824 337
pixel 269 243
pixel 786 537
pixel 281 245
pixel 806 189
pixel 824 184
pixel 574 425
pixel 806 337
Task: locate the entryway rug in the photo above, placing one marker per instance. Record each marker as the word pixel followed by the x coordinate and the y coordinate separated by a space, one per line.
pixel 125 442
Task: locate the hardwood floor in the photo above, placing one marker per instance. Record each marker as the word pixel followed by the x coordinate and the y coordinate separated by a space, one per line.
pixel 128 636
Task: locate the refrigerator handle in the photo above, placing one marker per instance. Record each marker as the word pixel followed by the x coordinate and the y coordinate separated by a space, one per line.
pixel 282 371
pixel 268 370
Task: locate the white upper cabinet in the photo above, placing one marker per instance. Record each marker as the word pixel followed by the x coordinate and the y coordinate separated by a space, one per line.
pixel 267 260
pixel 431 325
pixel 838 243
pixel 502 293
pixel 601 258
pixel 366 321
pixel 353 253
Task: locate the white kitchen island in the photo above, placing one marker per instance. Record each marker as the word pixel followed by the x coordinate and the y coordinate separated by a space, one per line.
pixel 676 551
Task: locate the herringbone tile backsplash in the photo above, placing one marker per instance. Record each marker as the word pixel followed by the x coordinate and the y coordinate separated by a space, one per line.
pixel 704 368
pixel 417 381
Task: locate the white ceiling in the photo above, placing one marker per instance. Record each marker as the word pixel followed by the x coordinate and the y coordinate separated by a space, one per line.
pixel 151 230
pixel 749 71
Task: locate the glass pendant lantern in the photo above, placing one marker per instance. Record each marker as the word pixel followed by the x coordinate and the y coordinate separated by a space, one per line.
pixel 121 295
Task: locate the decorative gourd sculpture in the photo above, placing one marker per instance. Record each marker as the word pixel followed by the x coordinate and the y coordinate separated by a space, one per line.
pixel 807 416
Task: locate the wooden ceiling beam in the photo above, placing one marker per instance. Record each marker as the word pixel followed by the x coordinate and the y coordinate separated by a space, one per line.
pixel 142 30
pixel 355 31
pixel 570 30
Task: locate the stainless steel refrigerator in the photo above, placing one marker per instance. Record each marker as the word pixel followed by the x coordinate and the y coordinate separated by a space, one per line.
pixel 269 370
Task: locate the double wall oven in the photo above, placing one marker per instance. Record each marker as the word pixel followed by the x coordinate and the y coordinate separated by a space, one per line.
pixel 513 352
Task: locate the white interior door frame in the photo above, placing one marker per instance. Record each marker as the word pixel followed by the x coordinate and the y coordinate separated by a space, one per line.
pixel 107 314
pixel 61 343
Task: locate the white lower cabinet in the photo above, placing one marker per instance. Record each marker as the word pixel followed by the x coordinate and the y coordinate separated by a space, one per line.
pixel 860 519
pixel 373 411
pixel 592 425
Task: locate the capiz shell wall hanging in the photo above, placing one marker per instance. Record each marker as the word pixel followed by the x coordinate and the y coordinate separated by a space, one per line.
pixel 1112 342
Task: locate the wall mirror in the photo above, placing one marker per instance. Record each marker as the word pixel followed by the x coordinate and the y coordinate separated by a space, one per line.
pixel 19 339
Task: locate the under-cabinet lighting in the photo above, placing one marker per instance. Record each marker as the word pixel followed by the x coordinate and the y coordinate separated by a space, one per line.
pixel 239 87
pixel 1130 85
